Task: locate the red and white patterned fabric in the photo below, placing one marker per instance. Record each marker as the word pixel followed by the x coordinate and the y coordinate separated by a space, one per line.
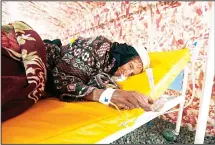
pixel 160 26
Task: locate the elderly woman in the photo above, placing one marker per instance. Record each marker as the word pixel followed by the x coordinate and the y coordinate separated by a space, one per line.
pixel 83 70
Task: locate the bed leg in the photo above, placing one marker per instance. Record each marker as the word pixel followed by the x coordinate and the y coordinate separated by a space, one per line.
pixel 170 135
pixel 183 96
pixel 179 118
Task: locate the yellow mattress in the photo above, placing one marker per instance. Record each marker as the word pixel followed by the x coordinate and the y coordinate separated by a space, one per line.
pixel 53 122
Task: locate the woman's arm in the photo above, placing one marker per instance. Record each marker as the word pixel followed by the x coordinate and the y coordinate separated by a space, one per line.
pixel 95 95
pixel 71 88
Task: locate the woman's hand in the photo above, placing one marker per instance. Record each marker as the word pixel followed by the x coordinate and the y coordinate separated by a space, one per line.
pixel 125 99
pixel 131 99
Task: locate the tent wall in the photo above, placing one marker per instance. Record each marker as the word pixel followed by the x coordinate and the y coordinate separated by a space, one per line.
pixel 161 26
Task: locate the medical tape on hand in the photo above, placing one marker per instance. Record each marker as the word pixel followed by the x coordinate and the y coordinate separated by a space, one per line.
pixel 106 96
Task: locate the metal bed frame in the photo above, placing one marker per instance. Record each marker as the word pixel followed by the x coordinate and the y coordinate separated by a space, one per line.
pixel 204 101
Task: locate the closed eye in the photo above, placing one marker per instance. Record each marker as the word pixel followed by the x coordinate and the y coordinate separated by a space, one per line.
pixel 131 66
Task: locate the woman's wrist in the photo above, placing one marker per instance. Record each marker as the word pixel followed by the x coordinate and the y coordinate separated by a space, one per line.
pixel 116 93
pixel 105 97
pixel 95 95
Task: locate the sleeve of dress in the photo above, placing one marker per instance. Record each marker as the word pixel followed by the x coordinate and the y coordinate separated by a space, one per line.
pixel 101 47
pixel 101 79
pixel 69 87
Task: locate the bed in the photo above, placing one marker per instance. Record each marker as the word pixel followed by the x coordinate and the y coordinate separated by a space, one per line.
pixel 53 122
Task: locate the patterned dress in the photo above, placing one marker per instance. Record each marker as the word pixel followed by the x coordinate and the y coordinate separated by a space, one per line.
pixel 76 69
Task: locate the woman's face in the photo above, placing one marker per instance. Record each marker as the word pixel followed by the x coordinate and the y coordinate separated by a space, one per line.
pixel 133 67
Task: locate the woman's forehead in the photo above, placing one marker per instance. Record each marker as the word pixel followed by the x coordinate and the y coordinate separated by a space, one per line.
pixel 137 61
pixel 138 66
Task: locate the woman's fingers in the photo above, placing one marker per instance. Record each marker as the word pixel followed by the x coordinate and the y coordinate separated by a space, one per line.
pixel 143 101
pixel 120 106
pixel 127 103
pixel 133 100
pixel 124 107
pixel 121 99
pixel 150 100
